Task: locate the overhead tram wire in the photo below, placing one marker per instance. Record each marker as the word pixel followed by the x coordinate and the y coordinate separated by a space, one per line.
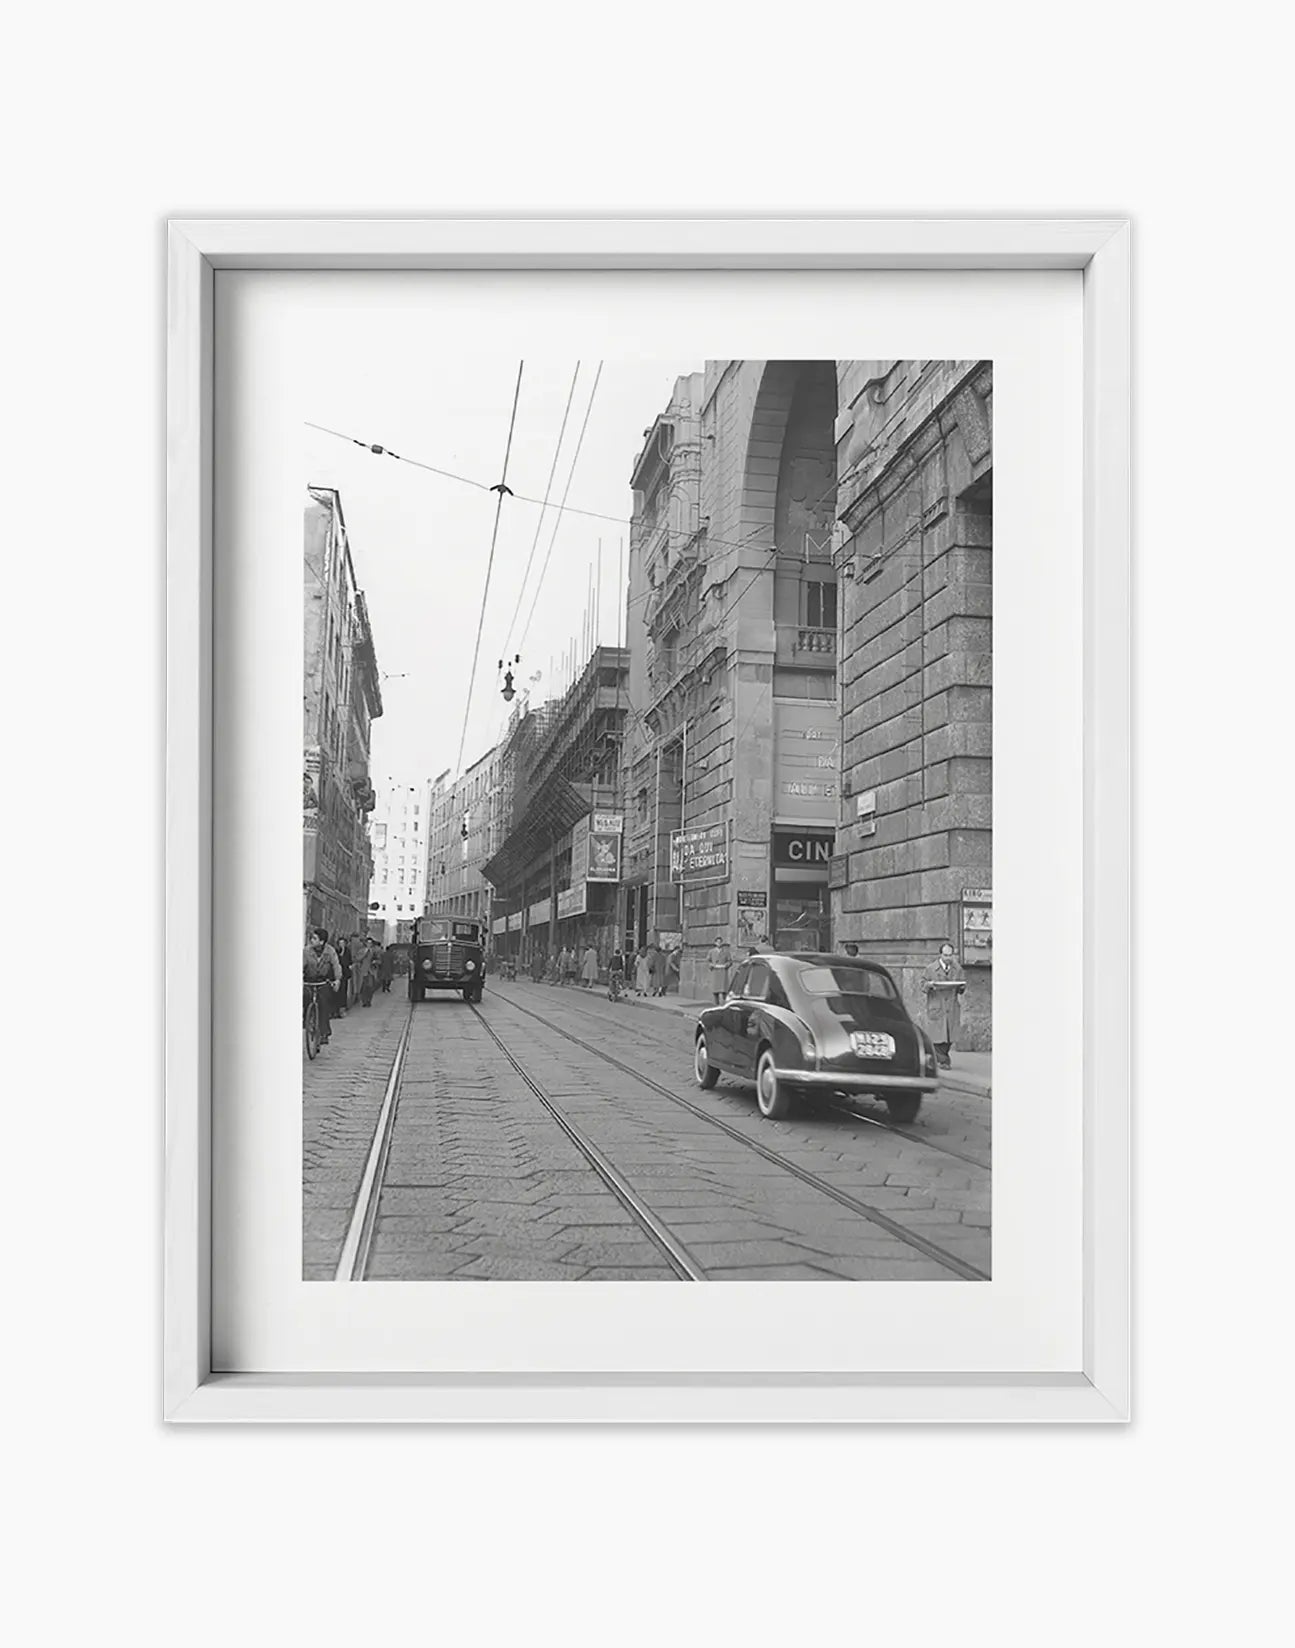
pixel 575 459
pixel 502 491
pixel 539 524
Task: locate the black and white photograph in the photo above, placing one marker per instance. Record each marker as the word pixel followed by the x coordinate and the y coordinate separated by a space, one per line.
pixel 647 889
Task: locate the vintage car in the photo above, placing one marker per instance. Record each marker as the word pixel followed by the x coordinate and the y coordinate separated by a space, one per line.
pixel 813 1023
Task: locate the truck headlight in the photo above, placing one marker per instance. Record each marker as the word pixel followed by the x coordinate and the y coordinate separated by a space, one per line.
pixel 472 967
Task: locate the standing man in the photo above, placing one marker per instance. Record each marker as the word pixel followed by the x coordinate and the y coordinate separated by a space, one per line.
pixel 319 965
pixel 386 967
pixel 718 961
pixel 569 965
pixel 658 968
pixel 944 981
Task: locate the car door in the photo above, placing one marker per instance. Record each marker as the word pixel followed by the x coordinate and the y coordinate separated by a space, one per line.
pixel 722 1022
pixel 745 1010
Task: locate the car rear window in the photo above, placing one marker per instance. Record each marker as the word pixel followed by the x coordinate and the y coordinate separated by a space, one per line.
pixel 846 981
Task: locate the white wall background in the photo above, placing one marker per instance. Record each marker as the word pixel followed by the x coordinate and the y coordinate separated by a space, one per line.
pixel 114 118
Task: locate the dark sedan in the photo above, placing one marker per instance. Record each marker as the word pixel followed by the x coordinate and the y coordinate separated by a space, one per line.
pixel 797 1024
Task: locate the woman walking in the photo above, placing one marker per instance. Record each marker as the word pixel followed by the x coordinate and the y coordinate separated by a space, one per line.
pixel 642 972
pixel 589 967
pixel 658 970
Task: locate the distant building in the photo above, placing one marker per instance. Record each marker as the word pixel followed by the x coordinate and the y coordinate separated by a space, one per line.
pixel 400 829
pixel 466 829
pixel 341 697
pixel 556 873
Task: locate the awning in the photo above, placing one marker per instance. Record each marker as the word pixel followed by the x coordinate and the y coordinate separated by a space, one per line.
pixel 552 810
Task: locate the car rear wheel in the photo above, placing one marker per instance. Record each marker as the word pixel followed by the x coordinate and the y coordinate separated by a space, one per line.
pixel 903 1107
pixel 771 1094
pixel 707 1073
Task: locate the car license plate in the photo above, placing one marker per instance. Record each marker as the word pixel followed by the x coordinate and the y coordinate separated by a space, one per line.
pixel 872 1044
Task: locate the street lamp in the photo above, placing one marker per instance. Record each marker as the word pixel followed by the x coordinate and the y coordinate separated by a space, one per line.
pixel 508 692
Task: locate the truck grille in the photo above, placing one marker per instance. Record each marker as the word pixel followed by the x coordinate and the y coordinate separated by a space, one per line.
pixel 449 959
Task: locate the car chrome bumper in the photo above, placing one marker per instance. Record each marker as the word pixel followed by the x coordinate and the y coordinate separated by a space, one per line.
pixel 859 1080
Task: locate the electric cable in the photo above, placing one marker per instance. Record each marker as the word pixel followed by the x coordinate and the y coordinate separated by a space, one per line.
pixel 575 459
pixel 501 490
pixel 539 524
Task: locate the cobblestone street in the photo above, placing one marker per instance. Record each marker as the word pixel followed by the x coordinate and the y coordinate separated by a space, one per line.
pixel 480 1181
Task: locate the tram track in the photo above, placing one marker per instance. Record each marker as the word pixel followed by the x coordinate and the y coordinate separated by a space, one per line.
pixel 873 1215
pixel 843 1107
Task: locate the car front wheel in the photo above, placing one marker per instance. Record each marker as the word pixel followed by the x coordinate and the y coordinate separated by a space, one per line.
pixel 707 1073
pixel 903 1107
pixel 771 1094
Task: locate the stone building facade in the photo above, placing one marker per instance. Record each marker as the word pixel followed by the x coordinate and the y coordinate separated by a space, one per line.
pixel 732 602
pixel 341 697
pixel 914 555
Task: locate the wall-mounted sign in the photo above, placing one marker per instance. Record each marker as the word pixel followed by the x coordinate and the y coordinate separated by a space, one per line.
pixel 579 851
pixel 806 753
pixel 572 901
pixel 699 855
pixel 499 924
pixel 608 823
pixel 604 857
pixel 865 803
pixel 539 913
pixel 515 922
pixel 977 927
pixel 803 849
pixel 838 871
pixel 752 917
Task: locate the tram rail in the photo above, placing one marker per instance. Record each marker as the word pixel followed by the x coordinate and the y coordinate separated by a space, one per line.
pixel 843 1108
pixel 893 1227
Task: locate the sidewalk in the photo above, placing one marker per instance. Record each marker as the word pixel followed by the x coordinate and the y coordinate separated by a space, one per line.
pixel 971 1072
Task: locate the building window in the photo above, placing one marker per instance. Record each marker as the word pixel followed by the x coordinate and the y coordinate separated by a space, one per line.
pixel 820 604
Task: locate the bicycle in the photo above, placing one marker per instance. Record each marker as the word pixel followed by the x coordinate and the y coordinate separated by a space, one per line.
pixel 615 986
pixel 310 1015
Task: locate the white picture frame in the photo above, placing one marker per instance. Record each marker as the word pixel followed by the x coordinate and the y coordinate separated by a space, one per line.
pixel 1100 249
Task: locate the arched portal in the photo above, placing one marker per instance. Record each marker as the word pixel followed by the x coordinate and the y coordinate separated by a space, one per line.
pixel 788 511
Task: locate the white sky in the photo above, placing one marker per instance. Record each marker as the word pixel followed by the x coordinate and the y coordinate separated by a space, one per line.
pixel 420 543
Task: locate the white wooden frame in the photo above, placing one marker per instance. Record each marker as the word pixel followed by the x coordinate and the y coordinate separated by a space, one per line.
pixel 1098 247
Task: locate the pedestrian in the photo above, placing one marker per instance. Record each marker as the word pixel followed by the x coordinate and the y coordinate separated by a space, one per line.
pixel 386 968
pixel 658 969
pixel 358 947
pixel 319 965
pixel 718 961
pixel 672 968
pixel 616 974
pixel 589 967
pixel 344 985
pixel 569 965
pixel 944 982
pixel 368 972
pixel 642 971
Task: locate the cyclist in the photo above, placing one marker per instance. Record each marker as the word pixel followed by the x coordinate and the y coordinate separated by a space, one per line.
pixel 319 965
pixel 616 975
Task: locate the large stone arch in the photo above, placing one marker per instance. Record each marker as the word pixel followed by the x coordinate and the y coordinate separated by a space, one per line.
pixel 789 478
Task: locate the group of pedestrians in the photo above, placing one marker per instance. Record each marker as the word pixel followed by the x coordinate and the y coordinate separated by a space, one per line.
pixel 656 969
pixel 352 972
pixel 569 967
